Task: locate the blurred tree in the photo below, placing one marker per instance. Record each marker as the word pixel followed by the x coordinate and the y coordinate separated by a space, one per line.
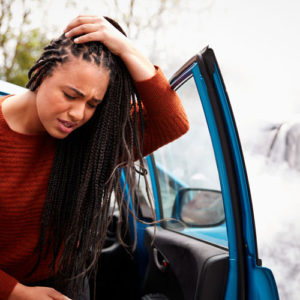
pixel 20 45
pixel 144 21
pixel 137 16
pixel 27 50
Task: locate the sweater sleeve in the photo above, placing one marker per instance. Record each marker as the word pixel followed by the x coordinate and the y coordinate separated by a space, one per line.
pixel 7 284
pixel 165 118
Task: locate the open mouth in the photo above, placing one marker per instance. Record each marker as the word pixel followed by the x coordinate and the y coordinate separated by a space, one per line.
pixel 66 126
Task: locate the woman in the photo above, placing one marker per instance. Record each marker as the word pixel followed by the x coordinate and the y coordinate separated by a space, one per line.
pixel 62 145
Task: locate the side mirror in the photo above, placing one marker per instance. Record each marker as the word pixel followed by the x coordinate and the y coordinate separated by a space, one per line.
pixel 200 207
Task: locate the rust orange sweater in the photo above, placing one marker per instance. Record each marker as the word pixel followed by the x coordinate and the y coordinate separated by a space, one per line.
pixel 25 164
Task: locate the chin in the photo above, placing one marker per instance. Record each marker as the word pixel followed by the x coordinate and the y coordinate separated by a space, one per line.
pixel 57 135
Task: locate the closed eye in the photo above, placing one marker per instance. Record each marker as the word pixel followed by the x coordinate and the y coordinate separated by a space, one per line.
pixel 69 96
pixel 92 105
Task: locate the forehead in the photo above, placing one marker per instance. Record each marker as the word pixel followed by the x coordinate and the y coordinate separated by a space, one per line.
pixel 82 75
pixel 76 67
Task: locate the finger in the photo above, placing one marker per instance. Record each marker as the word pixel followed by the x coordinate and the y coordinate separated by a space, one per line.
pixel 57 295
pixel 60 297
pixel 82 20
pixel 90 37
pixel 82 29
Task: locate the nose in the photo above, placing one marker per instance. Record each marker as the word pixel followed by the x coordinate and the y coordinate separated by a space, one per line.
pixel 76 111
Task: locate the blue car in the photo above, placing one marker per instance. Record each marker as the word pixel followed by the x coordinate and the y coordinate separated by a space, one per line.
pixel 205 247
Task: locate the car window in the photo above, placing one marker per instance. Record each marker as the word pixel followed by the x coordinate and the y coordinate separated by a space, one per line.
pixel 188 178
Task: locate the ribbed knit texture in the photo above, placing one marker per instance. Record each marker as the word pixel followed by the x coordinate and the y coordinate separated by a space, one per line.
pixel 25 166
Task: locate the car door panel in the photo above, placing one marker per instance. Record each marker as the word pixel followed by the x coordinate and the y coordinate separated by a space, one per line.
pixel 193 268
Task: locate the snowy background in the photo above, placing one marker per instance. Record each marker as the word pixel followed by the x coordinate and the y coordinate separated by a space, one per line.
pixel 257 44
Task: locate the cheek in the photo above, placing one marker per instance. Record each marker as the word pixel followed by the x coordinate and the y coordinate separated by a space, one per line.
pixel 51 103
pixel 88 114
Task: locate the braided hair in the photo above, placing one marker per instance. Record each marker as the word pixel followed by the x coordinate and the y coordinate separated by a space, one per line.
pixel 87 166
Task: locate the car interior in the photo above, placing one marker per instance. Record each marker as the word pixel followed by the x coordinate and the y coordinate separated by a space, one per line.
pixel 177 267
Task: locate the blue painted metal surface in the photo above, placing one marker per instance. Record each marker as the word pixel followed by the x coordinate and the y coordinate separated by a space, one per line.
pixel 154 188
pixel 137 230
pixel 239 168
pixel 232 283
pixel 261 283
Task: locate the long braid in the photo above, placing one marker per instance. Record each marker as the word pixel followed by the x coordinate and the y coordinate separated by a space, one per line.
pixel 85 174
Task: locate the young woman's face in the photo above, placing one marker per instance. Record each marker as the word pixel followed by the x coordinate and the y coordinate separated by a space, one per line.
pixel 68 98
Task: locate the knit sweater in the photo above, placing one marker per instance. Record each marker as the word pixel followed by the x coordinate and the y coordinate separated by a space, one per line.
pixel 25 165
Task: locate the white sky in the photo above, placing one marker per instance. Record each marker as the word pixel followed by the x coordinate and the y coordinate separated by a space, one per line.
pixel 256 43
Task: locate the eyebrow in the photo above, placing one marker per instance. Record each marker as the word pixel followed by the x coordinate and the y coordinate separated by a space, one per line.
pixel 80 94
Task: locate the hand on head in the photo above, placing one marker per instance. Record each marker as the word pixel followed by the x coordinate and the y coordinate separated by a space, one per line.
pixel 88 28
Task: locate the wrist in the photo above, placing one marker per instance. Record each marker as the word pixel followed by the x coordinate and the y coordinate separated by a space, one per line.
pixel 18 292
pixel 138 65
pixel 128 51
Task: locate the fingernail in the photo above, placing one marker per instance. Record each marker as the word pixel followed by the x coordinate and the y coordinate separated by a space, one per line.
pixel 67 34
pixel 76 40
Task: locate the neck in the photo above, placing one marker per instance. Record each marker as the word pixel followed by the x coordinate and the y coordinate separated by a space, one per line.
pixel 21 115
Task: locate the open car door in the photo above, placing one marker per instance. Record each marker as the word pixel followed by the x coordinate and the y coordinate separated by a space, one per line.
pixel 205 247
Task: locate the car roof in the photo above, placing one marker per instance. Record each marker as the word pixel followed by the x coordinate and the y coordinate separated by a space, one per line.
pixel 7 88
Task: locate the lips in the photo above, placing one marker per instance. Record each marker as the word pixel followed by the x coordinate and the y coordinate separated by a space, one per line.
pixel 66 126
pixel 67 123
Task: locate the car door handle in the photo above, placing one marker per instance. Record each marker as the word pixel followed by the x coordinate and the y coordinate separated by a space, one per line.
pixel 160 261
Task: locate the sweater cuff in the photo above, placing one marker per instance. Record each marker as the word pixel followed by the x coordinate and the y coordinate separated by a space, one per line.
pixel 157 69
pixel 156 94
pixel 157 84
pixel 7 284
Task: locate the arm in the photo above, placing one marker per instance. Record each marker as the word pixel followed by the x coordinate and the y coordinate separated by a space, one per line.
pixel 93 28
pixel 7 284
pixel 163 112
pixel 164 115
